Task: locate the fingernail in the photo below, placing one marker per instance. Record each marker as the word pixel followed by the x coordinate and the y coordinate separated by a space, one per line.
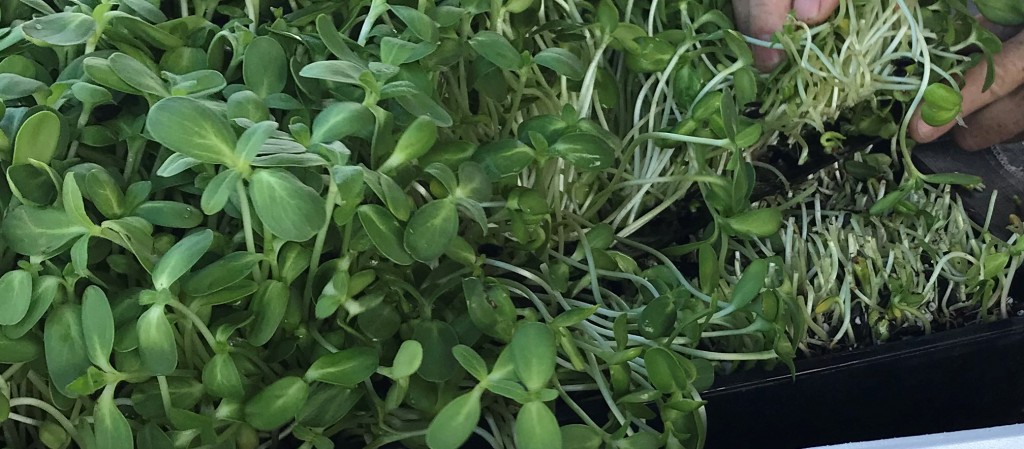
pixel 923 132
pixel 765 59
pixel 806 9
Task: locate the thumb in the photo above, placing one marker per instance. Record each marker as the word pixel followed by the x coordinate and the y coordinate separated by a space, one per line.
pixel 813 12
pixel 761 19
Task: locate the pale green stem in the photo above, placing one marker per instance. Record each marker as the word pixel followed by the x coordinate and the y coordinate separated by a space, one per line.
pixel 252 8
pixel 52 411
pixel 198 322
pixel 377 7
pixel 250 241
pixel 587 90
pixel 318 245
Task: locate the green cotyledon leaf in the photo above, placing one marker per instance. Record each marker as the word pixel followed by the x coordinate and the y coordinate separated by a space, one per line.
pixel 288 208
pixel 189 127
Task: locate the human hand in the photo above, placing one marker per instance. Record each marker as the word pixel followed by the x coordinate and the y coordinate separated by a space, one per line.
pixel 762 18
pixel 993 116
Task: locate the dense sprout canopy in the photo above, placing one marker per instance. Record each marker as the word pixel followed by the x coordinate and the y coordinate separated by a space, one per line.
pixel 245 224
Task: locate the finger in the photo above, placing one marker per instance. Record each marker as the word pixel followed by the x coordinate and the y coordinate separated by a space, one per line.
pixel 813 12
pixel 1009 67
pixel 741 10
pixel 761 19
pixel 997 123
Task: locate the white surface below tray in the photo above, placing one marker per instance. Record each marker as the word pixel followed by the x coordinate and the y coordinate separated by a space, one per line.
pixel 1003 437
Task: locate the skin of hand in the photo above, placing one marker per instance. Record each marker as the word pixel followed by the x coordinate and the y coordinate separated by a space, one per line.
pixel 993 116
pixel 762 18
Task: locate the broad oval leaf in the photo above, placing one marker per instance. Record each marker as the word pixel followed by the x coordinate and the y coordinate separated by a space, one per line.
pixel 763 222
pixel 103 191
pixel 961 179
pixel 219 191
pixel 385 232
pixel 265 66
pixel 14 86
pixel 533 349
pixel 180 258
pixel 16 294
pixel 268 307
pixel 347 368
pixel 438 339
pixel 456 421
pixel 137 75
pixel 345 72
pixel 220 274
pixel 97 325
pixel 252 139
pixel 328 404
pixel 504 158
pixel 60 29
pixel 562 61
pixel 287 208
pixel 64 345
pixel 574 316
pixel 45 290
pixel 22 350
pixel 142 30
pixel 37 138
pixel 491 310
pixel 341 120
pixel 277 404
pixel 421 104
pixel 157 348
pixel 332 38
pixel 750 283
pixel 35 184
pixel 664 370
pixel 887 202
pixel 415 141
pixel 176 164
pixel 1005 13
pixel 111 427
pixel 152 437
pixel 581 436
pixel 508 389
pixel 199 83
pixel 170 214
pixel 145 10
pixel 289 160
pixel 586 151
pixel 245 104
pixel 221 378
pixel 421 25
pixel 495 48
pixel 471 361
pixel 227 295
pixel 431 229
pixel 19 65
pixel 189 127
pixel 641 440
pixel 407 360
pixel 658 317
pixel 100 72
pixel 536 427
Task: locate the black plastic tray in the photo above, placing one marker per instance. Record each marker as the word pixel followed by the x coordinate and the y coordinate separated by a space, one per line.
pixel 954 380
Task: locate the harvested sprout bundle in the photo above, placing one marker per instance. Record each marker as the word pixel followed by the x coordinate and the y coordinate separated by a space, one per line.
pixel 229 224
pixel 861 278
